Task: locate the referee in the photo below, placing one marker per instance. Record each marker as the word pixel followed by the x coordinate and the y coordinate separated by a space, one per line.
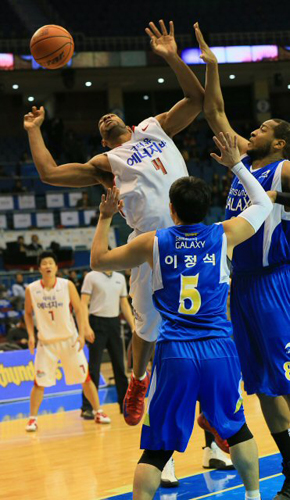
pixel 105 293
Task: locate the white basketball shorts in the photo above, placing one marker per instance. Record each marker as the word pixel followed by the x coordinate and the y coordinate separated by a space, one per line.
pixel 74 363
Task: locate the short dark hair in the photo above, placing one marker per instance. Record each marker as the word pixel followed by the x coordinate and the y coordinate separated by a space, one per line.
pixel 190 197
pixel 282 131
pixel 45 255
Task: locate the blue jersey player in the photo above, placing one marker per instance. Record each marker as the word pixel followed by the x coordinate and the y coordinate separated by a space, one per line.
pixel 195 358
pixel 260 293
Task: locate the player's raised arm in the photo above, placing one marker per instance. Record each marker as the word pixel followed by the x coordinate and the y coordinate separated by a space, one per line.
pixel 214 107
pixel 96 171
pixel 239 229
pixel 186 110
pixel 133 254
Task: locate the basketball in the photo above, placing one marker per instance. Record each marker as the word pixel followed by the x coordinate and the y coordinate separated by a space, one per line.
pixel 52 46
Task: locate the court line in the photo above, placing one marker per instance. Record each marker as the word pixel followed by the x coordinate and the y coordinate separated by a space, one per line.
pixel 234 487
pixel 124 489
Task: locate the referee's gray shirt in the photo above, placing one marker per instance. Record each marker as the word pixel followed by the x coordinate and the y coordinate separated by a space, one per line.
pixel 105 292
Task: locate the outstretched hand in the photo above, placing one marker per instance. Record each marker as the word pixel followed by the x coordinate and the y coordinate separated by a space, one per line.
pixel 162 42
pixel 230 154
pixel 207 54
pixel 110 203
pixel 34 118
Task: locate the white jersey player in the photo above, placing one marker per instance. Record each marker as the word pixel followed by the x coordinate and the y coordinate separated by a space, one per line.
pixel 52 300
pixel 144 162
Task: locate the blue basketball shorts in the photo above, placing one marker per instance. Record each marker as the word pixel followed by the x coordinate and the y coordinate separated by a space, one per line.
pixel 260 313
pixel 184 372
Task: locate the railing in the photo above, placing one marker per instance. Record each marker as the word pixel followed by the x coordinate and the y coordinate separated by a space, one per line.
pixel 122 43
pixel 94 44
pixel 250 38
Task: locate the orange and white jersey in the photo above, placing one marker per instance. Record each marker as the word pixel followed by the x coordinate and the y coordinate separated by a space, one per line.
pixel 144 169
pixel 53 312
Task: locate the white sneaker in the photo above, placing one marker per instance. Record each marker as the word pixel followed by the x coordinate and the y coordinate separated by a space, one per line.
pixel 102 418
pixel 215 458
pixel 168 477
pixel 31 425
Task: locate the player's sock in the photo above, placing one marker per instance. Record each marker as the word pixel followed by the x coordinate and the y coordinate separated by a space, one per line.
pixel 209 439
pixel 282 440
pixel 140 378
pixel 253 495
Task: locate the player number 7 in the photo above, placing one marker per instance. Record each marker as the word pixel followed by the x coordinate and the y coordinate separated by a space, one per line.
pixel 51 314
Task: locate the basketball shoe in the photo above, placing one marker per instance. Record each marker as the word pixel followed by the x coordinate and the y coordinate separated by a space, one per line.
pixel 214 458
pixel 101 417
pixel 87 414
pixel 284 494
pixel 168 477
pixel 133 404
pixel 31 425
pixel 205 425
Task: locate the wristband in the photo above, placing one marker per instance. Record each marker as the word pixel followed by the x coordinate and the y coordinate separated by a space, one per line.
pixel 283 198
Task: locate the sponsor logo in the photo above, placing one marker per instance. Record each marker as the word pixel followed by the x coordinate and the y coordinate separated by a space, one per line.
pixel 264 175
pixel 145 128
pixel 40 374
pixel 189 244
pixel 19 374
pixel 287 348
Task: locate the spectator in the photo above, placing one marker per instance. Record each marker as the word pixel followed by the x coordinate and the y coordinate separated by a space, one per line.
pixel 18 188
pixel 35 245
pixel 75 279
pixel 84 202
pixel 18 293
pixel 18 334
pixel 95 218
pixel 20 246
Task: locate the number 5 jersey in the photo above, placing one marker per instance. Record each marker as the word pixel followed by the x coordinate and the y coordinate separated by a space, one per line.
pixel 191 282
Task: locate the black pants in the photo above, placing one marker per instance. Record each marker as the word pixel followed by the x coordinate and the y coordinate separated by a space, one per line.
pixel 107 335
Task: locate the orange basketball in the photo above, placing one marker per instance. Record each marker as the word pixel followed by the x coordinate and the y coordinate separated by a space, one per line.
pixel 52 46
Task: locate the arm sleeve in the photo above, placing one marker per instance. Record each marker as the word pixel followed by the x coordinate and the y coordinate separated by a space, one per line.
pixel 87 287
pixel 261 205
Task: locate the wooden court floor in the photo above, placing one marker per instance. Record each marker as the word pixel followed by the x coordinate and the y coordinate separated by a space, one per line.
pixel 72 459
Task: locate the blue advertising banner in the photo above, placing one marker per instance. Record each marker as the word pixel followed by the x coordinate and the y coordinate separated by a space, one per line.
pixel 17 377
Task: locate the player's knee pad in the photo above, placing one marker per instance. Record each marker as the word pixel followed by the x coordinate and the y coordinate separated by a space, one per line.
pixel 157 458
pixel 244 434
